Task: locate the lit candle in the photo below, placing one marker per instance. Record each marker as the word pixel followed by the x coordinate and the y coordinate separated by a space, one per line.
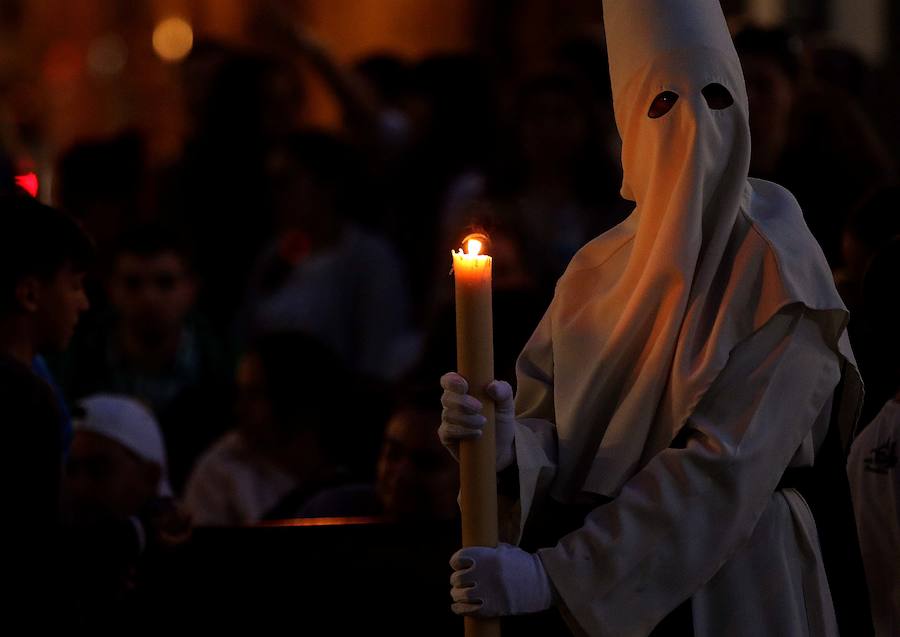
pixel 475 363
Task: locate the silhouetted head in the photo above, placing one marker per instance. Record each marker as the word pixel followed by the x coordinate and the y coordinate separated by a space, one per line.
pixel 44 255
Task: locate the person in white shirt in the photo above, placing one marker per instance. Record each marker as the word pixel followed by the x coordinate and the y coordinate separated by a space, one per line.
pixel 285 440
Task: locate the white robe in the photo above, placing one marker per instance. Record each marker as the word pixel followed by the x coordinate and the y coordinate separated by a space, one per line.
pixel 703 522
pixel 709 315
pixel 875 487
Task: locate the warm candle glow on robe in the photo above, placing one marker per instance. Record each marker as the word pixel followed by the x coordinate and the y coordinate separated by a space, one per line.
pixel 475 363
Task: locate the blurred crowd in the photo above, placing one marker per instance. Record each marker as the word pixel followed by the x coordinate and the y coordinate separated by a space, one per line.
pixel 269 315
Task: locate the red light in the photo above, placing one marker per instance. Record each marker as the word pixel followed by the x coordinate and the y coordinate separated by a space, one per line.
pixel 28 182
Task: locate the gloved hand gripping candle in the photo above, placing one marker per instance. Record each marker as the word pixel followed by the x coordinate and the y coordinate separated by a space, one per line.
pixel 475 361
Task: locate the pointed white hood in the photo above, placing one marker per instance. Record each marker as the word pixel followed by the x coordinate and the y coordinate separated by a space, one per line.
pixel 646 315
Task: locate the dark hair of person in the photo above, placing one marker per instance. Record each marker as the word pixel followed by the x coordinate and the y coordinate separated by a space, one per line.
pixel 842 67
pixel 877 220
pixel 152 240
pixel 881 302
pixel 417 396
pixel 333 164
pixel 589 59
pixel 879 348
pixel 778 44
pixel 304 381
pixel 595 174
pixel 239 95
pixel 37 240
pixel 459 94
pixel 388 74
pixel 103 170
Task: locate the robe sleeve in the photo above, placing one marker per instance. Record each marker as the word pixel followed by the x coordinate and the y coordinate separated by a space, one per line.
pixel 535 439
pixel 681 517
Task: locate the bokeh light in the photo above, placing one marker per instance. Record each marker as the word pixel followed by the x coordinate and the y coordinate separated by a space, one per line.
pixel 173 39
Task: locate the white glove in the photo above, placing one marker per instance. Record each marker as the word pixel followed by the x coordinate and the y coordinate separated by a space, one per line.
pixel 506 580
pixel 461 418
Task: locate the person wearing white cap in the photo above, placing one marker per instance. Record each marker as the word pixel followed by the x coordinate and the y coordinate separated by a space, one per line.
pixel 117 462
pixel 690 356
pixel 117 507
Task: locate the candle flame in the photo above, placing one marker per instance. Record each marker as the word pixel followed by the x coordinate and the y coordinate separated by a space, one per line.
pixel 475 243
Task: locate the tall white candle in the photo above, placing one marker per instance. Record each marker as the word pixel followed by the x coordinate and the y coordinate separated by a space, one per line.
pixel 475 363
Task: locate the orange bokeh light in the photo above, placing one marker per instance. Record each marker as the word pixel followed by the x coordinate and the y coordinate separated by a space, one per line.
pixel 173 39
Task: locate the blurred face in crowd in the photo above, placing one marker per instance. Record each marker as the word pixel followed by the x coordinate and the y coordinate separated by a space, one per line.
pixel 771 94
pixel 302 204
pixel 153 294
pixel 553 129
pixel 254 410
pixel 298 198
pixel 510 269
pixel 416 478
pixel 103 220
pixel 55 305
pixel 856 256
pixel 198 72
pixel 103 479
pixel 282 98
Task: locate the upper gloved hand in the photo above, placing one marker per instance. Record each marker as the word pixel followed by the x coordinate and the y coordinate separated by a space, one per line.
pixel 461 418
pixel 488 582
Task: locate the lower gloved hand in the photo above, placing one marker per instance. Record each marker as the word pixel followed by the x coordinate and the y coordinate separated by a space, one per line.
pixel 488 582
pixel 462 419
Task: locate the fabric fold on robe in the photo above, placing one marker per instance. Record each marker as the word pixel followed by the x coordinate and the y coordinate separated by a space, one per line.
pixel 704 521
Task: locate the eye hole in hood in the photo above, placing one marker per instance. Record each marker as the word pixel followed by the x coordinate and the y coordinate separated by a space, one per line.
pixel 662 104
pixel 717 96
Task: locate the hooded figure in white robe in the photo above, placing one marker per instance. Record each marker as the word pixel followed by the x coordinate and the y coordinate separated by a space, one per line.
pixel 689 357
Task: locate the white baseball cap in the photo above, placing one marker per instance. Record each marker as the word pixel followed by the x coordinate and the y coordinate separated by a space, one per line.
pixel 129 423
